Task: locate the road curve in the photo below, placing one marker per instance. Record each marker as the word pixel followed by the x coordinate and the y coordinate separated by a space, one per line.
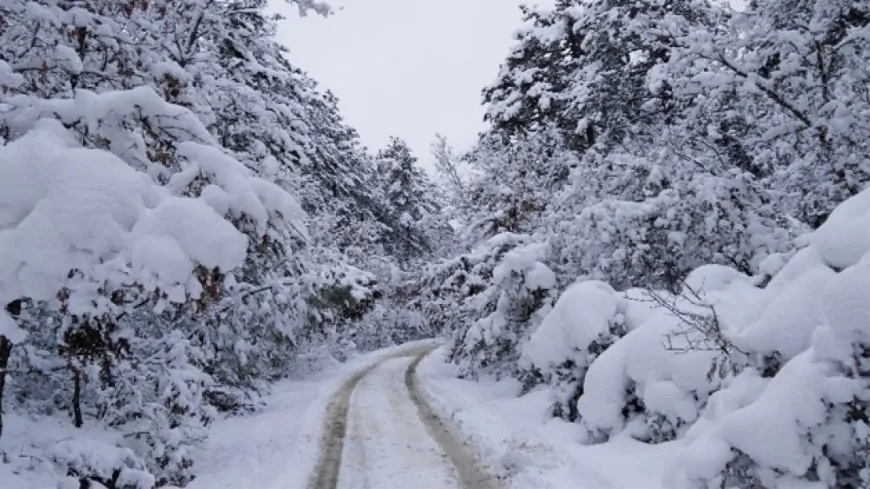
pixel 381 434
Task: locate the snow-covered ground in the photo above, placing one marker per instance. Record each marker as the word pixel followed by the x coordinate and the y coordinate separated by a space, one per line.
pixel 387 445
pixel 278 448
pixel 517 441
pixel 34 450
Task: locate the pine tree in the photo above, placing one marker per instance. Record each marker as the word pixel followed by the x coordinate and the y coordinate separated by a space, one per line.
pixel 533 88
pixel 188 112
pixel 410 198
pixel 515 181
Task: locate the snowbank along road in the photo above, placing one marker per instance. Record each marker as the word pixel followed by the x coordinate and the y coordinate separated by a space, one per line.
pixel 381 434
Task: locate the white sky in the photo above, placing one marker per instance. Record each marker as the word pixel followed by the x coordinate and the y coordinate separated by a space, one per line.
pixel 406 68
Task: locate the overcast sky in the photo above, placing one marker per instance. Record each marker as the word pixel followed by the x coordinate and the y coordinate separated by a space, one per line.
pixel 408 68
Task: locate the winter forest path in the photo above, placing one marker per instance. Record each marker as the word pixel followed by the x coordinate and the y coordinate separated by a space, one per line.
pixel 381 434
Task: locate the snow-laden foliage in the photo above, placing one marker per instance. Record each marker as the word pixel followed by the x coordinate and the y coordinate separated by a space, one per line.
pixel 513 182
pixel 796 69
pixel 415 220
pixel 584 322
pixel 94 242
pixel 641 141
pixel 695 174
pixel 657 379
pixel 495 319
pixel 682 133
pixel 816 404
pixel 656 240
pixel 183 216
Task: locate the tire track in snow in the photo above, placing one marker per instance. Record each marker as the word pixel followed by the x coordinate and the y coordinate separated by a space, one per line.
pixel 457 452
pixel 388 446
pixel 336 421
pixel 326 473
pixel 470 473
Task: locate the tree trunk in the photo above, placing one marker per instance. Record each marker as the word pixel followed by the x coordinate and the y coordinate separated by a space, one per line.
pixel 5 352
pixel 77 398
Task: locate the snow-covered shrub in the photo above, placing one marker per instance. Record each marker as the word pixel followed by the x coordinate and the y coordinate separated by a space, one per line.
pixel 451 296
pixel 583 323
pixel 788 311
pixel 442 289
pixel 390 322
pixel 657 241
pixel 619 239
pixel 519 293
pixel 806 426
pixel 441 292
pixel 34 384
pixel 656 380
pixel 157 401
pixel 90 462
pixel 340 297
pixel 665 370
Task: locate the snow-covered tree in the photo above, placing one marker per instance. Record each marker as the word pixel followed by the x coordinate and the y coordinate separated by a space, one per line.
pixel 500 317
pixel 96 241
pixel 583 68
pixel 155 266
pixel 514 182
pixel 793 73
pixel 451 181
pixel 412 204
pixel 532 90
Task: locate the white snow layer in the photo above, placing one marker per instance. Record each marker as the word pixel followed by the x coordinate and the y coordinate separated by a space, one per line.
pixel 582 313
pixel 279 447
pixel 845 237
pixel 9 329
pixel 515 440
pixel 810 316
pixel 815 318
pixel 525 258
pixel 63 207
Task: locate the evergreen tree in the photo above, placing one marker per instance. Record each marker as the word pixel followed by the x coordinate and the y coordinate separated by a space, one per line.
pixel 170 116
pixel 451 179
pixel 410 197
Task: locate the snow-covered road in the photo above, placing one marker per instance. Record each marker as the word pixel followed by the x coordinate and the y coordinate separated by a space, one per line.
pixel 387 445
pixel 390 441
pixel 386 420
